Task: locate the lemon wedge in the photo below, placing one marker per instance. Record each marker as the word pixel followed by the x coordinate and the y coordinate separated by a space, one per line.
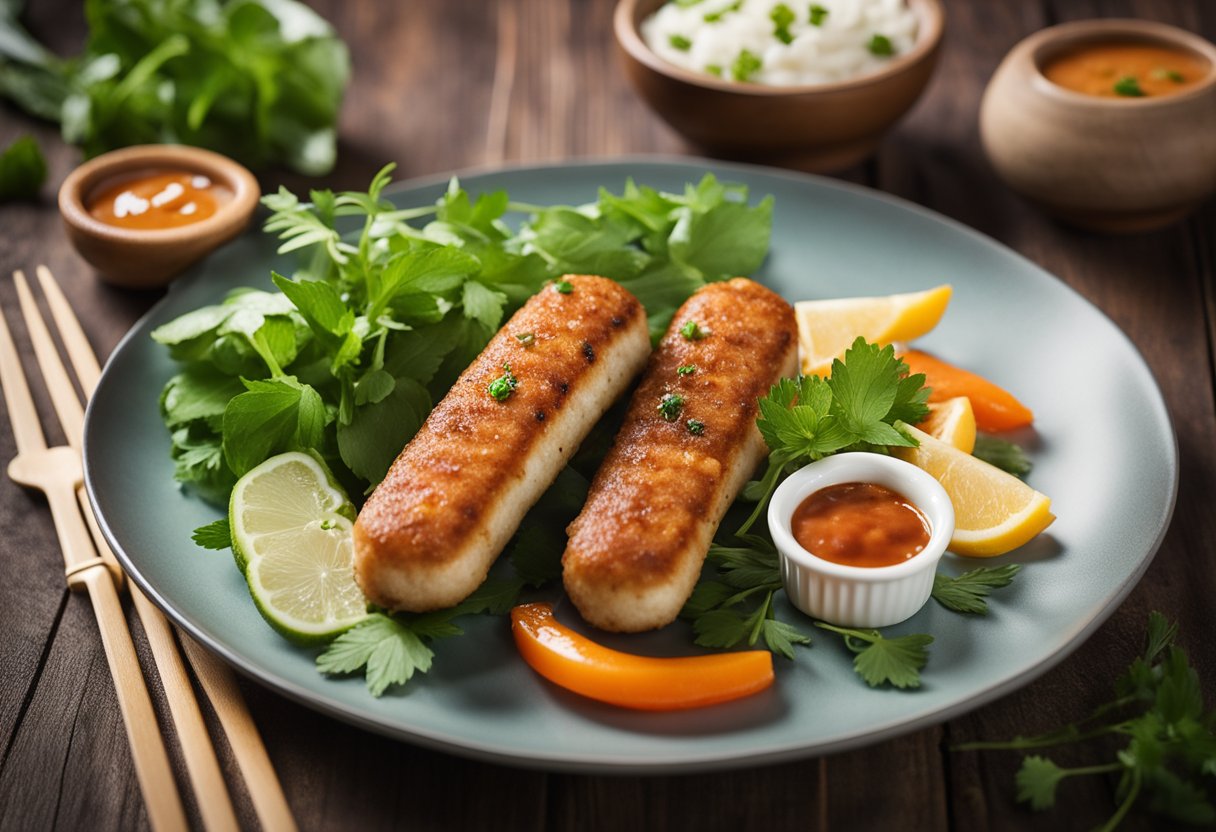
pixel 994 512
pixel 953 422
pixel 826 328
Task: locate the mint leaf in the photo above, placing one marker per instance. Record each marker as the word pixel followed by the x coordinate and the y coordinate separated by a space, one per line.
pixel 966 593
pixel 215 535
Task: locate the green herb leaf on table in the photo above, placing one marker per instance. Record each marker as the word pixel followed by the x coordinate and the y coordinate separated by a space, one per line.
pixel 967 592
pixel 256 80
pixel 22 170
pixel 1169 755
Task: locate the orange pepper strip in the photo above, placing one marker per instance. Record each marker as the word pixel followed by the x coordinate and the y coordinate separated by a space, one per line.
pixel 574 662
pixel 995 409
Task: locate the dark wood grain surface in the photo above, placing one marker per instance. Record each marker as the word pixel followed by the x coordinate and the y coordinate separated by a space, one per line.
pixel 447 84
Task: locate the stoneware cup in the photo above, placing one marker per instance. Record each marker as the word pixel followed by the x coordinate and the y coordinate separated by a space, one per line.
pixel 813 127
pixel 145 259
pixel 1107 164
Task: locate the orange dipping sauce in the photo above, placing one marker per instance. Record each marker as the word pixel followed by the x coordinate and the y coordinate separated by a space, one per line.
pixel 1127 69
pixel 157 199
pixel 860 524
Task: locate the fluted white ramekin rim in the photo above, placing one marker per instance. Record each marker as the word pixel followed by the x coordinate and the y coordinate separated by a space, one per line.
pixel 918 486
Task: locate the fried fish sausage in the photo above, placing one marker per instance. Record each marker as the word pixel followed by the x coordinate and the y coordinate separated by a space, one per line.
pixel 428 534
pixel 636 549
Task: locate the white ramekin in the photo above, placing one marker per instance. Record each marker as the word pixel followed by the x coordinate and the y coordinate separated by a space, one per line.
pixel 857 596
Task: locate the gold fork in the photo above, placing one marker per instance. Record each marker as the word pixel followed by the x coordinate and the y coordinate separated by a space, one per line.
pixel 57 470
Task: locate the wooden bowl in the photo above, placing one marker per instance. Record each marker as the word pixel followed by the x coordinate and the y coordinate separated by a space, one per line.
pixel 813 127
pixel 145 259
pixel 1107 164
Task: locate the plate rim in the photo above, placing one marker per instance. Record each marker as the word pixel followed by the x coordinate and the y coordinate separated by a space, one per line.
pixel 681 762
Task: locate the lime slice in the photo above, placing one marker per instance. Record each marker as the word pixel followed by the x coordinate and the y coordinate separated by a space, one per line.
pixel 291 534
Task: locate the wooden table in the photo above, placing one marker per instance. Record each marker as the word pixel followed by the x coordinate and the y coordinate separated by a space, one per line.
pixel 448 84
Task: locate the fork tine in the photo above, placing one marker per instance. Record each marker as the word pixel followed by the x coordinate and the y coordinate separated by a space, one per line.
pixel 21 413
pixel 63 395
pixel 80 352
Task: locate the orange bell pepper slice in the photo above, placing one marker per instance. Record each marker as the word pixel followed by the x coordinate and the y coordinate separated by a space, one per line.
pixel 646 683
pixel 995 409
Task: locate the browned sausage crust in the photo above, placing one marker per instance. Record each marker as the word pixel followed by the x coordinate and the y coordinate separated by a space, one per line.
pixel 636 550
pixel 430 531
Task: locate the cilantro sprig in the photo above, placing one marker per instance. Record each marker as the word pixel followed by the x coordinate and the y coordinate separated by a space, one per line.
pixel 1168 756
pixel 390 649
pixel 807 419
pixel 736 605
pixel 883 660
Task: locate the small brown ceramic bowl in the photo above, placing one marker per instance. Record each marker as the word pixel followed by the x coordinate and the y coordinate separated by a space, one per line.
pixel 1108 164
pixel 145 259
pixel 814 127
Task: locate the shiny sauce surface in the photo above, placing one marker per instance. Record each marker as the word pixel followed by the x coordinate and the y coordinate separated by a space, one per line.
pixel 1124 69
pixel 860 524
pixel 157 199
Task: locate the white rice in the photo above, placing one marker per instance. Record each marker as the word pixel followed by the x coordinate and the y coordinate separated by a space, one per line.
pixel 836 50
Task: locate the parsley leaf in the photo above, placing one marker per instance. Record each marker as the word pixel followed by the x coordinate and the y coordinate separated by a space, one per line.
pixel 1170 750
pixel 966 593
pixel 215 535
pixel 809 418
pixel 736 604
pixel 679 42
pixel 1003 454
pixel 818 14
pixel 1129 87
pixel 670 406
pixel 502 387
pixel 390 649
pixel 881 46
pixel 782 16
pixel 746 64
pixel 880 660
pixel 1037 780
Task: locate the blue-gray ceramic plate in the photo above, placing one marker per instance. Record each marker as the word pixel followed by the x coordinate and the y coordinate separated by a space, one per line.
pixel 1009 320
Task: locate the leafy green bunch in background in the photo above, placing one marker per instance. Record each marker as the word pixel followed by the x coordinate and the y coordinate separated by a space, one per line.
pixel 349 355
pixel 258 80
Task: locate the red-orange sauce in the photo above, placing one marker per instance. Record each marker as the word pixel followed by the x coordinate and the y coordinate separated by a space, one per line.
pixel 157 199
pixel 860 524
pixel 1116 69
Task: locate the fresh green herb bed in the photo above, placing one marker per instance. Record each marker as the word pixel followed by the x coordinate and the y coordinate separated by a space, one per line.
pixel 348 357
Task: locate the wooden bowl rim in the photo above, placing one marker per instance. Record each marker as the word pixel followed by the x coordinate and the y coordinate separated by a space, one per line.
pixel 245 194
pixel 1033 50
pixel 931 24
